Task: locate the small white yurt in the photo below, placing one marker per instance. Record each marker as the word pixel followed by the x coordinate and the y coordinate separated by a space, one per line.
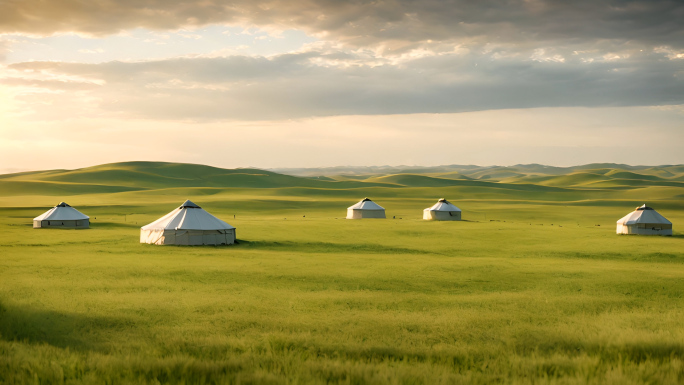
pixel 62 216
pixel 189 224
pixel 366 208
pixel 644 221
pixel 442 211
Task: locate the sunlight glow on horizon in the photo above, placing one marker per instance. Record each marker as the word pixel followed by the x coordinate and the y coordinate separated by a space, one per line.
pixel 615 136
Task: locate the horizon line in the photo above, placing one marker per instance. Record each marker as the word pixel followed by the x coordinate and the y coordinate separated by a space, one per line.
pixel 14 170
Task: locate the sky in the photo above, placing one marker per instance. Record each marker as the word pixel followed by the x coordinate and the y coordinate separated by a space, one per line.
pixel 315 83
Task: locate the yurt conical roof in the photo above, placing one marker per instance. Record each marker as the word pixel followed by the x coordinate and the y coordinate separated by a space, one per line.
pixel 643 214
pixel 366 204
pixel 443 205
pixel 61 212
pixel 188 216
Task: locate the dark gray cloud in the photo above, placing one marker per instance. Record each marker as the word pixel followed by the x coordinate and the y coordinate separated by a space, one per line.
pixel 395 23
pixel 291 86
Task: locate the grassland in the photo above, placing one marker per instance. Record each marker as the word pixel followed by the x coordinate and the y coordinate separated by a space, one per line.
pixel 533 287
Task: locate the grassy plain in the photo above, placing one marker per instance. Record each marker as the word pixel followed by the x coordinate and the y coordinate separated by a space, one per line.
pixel 528 289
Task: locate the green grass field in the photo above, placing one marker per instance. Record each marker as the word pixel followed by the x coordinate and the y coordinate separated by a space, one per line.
pixel 533 287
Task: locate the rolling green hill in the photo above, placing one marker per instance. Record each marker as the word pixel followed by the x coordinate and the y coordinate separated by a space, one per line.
pixel 412 180
pixel 129 176
pixel 522 182
pixel 619 174
pixel 20 187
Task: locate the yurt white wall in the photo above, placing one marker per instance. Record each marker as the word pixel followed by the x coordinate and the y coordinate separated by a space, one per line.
pixel 361 214
pixel 645 229
pixel 432 215
pixel 188 237
pixel 79 224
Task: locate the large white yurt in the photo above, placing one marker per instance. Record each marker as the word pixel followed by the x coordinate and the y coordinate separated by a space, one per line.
pixel 443 210
pixel 62 216
pixel 189 224
pixel 366 208
pixel 644 221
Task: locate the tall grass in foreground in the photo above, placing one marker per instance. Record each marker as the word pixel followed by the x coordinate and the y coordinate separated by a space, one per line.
pixel 516 300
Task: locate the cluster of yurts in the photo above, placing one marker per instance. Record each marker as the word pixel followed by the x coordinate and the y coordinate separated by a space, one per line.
pixel 189 224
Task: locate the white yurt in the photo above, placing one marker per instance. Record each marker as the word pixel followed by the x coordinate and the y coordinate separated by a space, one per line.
pixel 442 211
pixel 62 216
pixel 366 208
pixel 189 224
pixel 644 221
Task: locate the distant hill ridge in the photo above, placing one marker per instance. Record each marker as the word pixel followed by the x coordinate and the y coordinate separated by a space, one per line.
pixel 465 169
pixel 138 175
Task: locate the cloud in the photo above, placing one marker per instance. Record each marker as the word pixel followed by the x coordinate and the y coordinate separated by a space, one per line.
pixel 97 50
pixel 50 85
pixel 4 49
pixel 319 83
pixel 387 24
pixel 374 57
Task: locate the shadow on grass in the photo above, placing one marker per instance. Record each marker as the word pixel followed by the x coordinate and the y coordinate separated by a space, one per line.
pixel 643 257
pixel 108 225
pixel 328 247
pixel 64 330
pixel 535 343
